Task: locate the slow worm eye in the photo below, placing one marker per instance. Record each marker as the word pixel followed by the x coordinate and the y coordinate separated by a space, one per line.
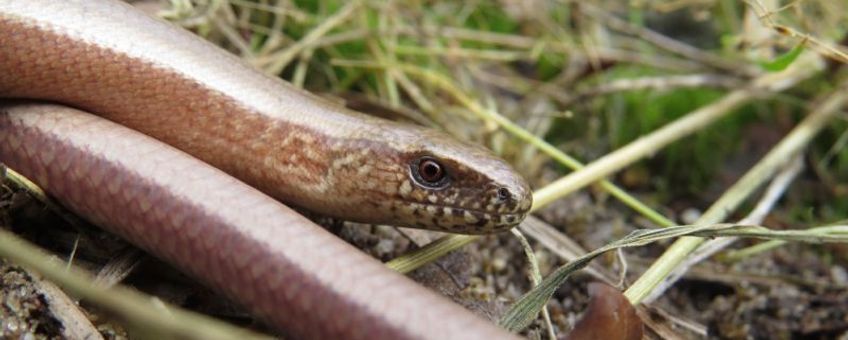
pixel 429 172
pixel 503 194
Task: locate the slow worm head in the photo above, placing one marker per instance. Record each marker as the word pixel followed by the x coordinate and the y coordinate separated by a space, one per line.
pixel 107 58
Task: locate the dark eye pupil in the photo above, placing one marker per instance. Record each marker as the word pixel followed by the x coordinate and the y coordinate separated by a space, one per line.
pixel 503 193
pixel 430 171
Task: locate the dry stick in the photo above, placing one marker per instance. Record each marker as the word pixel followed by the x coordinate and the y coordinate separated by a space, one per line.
pixel 774 192
pixel 733 197
pixel 615 161
pixel 75 324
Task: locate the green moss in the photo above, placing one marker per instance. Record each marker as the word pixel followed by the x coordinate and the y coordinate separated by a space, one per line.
pixel 491 17
pixel 690 165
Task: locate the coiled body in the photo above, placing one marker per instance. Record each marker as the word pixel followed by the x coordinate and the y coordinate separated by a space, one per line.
pixel 279 265
pixel 104 57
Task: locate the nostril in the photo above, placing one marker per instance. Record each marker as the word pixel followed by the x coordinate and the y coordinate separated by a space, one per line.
pixel 504 194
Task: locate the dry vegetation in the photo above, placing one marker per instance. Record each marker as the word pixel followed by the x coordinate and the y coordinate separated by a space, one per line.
pixel 684 113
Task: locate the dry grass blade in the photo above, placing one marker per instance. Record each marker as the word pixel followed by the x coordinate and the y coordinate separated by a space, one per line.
pixel 527 308
pixel 281 60
pixel 691 123
pixel 764 206
pixel 798 139
pixel 155 320
pixel 826 49
pixel 669 44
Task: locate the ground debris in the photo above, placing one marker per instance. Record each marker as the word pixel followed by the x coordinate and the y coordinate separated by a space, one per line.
pixel 24 314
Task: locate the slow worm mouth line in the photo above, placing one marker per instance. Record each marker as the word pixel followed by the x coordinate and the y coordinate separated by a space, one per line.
pixel 491 214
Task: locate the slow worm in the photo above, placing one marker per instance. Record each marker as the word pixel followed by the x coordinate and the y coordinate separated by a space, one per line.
pixel 104 57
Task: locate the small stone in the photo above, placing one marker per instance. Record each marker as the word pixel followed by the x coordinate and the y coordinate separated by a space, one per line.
pixel 690 216
pixel 839 275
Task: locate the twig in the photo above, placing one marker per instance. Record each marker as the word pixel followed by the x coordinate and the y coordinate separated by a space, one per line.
pixel 75 324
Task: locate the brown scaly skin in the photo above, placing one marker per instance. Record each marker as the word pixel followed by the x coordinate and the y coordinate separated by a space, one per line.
pixel 106 58
pixel 303 280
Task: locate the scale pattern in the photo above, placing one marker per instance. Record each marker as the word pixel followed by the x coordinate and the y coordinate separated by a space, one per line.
pixel 260 253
